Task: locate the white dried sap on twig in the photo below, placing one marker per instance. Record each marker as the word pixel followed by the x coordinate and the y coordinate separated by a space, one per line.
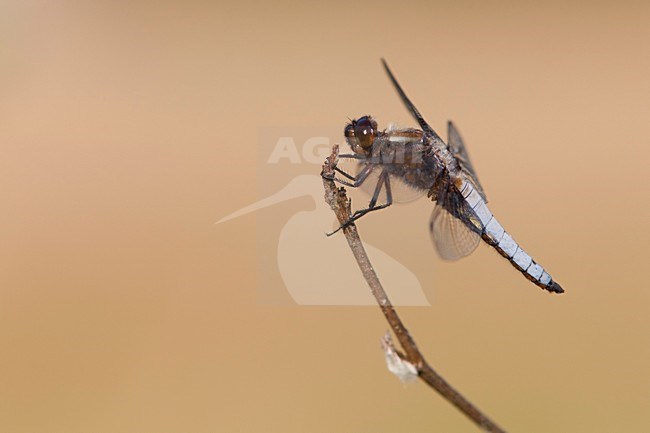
pixel 404 370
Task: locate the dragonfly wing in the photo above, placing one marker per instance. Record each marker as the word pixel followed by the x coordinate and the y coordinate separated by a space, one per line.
pixel 457 147
pixel 451 237
pixel 454 226
pixel 428 130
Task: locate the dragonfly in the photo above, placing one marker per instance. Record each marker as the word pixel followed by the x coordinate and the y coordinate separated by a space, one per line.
pixel 419 161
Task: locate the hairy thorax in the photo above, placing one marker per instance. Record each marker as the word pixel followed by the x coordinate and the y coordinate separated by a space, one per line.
pixel 405 154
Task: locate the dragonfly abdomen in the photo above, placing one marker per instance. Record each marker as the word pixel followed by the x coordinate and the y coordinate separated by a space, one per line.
pixel 495 235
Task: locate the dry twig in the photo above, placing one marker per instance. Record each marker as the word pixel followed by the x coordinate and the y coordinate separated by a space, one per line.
pixel 341 205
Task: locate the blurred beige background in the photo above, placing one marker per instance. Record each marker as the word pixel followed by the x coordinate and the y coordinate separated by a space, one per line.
pixel 127 129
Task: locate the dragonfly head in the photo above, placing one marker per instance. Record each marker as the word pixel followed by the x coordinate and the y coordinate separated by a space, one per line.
pixel 360 134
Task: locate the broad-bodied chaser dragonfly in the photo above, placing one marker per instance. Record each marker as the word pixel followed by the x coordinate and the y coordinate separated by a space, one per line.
pixel 421 160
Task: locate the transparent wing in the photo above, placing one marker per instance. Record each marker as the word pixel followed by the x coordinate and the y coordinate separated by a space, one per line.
pixel 457 147
pixel 455 227
pixel 401 191
pixel 455 141
pixel 451 236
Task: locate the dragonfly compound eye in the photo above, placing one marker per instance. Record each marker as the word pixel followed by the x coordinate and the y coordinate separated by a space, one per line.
pixel 349 130
pixel 365 130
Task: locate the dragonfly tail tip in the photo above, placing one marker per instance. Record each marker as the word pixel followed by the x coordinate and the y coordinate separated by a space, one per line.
pixel 555 288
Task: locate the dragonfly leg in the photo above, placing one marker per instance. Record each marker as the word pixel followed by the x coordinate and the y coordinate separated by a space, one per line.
pixel 352 156
pixel 345 173
pixel 384 181
pixel 356 180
